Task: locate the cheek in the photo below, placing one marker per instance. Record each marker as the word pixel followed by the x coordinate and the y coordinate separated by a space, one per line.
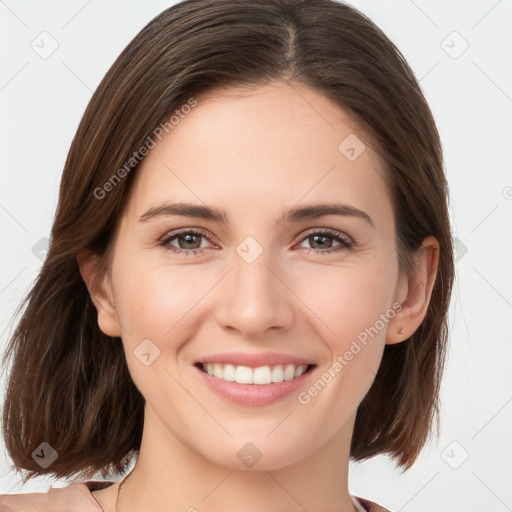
pixel 354 308
pixel 155 300
pixel 163 302
pixel 348 300
pixel 156 303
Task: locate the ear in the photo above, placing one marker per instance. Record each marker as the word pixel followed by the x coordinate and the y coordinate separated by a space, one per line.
pixel 414 294
pixel 100 290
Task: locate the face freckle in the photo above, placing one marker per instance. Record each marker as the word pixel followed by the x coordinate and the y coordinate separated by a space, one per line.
pixel 257 287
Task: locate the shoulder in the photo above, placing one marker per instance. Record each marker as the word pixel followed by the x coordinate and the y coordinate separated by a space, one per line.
pixel 369 506
pixel 75 497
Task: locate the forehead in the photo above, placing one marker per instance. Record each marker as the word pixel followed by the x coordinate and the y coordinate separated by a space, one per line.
pixel 257 150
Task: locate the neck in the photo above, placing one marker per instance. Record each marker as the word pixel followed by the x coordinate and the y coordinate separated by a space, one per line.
pixel 167 472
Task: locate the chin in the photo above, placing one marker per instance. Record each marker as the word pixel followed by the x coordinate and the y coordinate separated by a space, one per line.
pixel 257 453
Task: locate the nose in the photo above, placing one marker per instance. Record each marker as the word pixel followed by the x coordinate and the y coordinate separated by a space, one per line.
pixel 255 298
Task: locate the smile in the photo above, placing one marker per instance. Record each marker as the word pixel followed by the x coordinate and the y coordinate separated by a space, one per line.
pixel 262 375
pixel 255 379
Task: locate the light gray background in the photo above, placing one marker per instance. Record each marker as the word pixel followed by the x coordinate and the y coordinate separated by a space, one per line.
pixel 43 99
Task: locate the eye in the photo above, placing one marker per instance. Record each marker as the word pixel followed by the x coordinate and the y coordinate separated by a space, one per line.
pixel 319 237
pixel 190 240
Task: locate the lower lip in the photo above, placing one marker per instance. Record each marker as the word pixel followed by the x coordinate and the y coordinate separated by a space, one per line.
pixel 253 394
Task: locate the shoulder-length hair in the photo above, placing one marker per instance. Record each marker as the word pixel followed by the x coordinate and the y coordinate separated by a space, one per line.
pixel 69 384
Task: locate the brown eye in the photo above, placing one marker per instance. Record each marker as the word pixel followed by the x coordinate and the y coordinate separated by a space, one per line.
pixel 321 242
pixel 188 242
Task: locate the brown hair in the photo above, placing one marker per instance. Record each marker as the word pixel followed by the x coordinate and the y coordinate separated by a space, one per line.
pixel 69 384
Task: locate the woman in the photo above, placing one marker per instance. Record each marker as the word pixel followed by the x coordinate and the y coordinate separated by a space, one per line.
pixel 249 271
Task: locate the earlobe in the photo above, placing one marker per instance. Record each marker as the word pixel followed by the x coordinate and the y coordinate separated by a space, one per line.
pixel 416 293
pixel 100 291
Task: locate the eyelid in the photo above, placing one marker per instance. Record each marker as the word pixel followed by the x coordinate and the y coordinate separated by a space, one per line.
pixel 349 242
pixel 328 231
pixel 175 232
pixel 204 232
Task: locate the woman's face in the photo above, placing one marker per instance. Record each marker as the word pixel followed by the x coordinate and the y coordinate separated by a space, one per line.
pixel 265 293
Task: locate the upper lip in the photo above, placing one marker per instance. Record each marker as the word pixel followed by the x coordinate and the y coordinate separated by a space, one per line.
pixel 255 360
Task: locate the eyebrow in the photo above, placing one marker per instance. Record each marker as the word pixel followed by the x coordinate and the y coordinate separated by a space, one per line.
pixel 295 214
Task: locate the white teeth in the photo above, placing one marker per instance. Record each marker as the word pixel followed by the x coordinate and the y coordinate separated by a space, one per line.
pixel 300 370
pixel 289 372
pixel 243 375
pixel 260 376
pixel 277 374
pixel 217 371
pixel 229 373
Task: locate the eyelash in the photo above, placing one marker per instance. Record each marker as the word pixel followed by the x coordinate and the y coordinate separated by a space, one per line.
pixel 346 242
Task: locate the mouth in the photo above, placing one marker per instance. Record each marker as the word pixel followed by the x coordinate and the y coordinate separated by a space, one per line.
pixel 260 375
pixel 254 379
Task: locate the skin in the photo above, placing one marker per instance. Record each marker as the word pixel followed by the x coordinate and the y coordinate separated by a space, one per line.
pixel 254 153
